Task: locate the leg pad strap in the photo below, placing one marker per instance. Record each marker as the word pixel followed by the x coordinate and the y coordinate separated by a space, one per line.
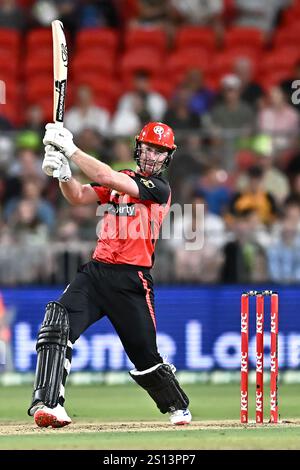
pixel 163 387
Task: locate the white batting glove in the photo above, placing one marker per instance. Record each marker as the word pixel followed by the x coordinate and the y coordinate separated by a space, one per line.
pixel 56 164
pixel 60 138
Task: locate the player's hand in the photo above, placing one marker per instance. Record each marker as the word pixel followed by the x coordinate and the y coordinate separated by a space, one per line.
pixel 56 164
pixel 60 138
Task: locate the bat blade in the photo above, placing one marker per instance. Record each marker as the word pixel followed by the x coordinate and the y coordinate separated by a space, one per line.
pixel 60 73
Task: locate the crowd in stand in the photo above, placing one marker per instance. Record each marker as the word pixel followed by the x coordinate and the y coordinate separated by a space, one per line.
pixel 238 155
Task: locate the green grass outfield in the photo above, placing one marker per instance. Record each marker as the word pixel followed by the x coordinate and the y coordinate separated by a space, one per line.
pixel 124 417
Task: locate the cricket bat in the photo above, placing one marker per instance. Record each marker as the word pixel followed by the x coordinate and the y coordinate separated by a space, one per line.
pixel 60 73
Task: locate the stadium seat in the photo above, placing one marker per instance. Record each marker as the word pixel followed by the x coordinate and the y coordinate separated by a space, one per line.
pixel 9 64
pixel 10 104
pixel 224 62
pixel 141 59
pixel 9 40
pixel 165 88
pixel 212 81
pixel 39 63
pixel 282 59
pixel 249 37
pixel 243 51
pixel 105 90
pixel 194 36
pixel 47 107
pixel 291 15
pixel 26 3
pixel 89 39
pixel 153 38
pixel 93 61
pixel 287 36
pixel 186 59
pixel 12 88
pixel 273 78
pixel 38 39
pixel 39 87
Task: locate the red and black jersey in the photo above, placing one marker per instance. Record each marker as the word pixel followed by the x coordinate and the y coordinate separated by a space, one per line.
pixel 129 226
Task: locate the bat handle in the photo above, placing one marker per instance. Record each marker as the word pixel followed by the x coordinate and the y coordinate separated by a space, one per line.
pixel 56 172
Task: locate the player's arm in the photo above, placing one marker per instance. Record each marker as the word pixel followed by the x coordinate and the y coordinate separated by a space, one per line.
pixel 104 175
pixel 97 171
pixel 76 193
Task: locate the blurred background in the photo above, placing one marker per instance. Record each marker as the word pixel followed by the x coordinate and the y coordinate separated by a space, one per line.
pixel 225 74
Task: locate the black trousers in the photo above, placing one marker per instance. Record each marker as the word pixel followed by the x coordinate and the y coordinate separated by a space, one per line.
pixel 124 294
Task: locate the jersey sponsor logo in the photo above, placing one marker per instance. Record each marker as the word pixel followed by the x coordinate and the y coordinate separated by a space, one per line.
pixel 121 209
pixel 159 130
pixel 148 183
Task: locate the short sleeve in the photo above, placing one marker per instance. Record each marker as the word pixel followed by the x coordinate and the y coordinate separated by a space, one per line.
pixel 102 192
pixel 153 188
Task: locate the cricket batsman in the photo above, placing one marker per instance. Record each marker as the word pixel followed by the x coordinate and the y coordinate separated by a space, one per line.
pixel 116 282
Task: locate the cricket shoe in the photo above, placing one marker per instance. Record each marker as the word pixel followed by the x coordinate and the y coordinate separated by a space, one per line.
pixel 180 417
pixel 55 417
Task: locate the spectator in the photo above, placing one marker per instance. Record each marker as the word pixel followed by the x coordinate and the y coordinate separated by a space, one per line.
pixel 42 12
pixel 244 257
pixel 11 15
pixel 86 114
pixel 84 217
pixel 284 253
pixel 6 152
pixel 291 209
pixel 213 225
pixel 67 232
pixel 122 152
pixel 153 103
pixel 26 224
pixel 295 185
pixel 232 113
pixel 279 119
pixel 199 12
pixel 255 198
pixel 99 14
pixel 201 98
pixel 275 181
pixel 178 115
pixel 27 165
pixel 127 122
pixel 6 318
pixel 93 143
pixel 73 13
pixel 138 108
pixel 251 92
pixel 5 124
pixel 289 87
pixel 24 250
pixel 152 13
pixel 260 14
pixel 190 160
pixel 207 230
pixel 28 140
pixel 212 183
pixel 35 119
pixel 31 191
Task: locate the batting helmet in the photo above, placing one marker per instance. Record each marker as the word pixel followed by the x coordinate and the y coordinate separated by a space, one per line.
pixel 156 133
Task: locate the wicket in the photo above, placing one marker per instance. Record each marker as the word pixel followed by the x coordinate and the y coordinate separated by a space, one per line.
pixel 259 393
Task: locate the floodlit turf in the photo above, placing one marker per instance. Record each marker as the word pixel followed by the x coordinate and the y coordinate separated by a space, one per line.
pixel 95 409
